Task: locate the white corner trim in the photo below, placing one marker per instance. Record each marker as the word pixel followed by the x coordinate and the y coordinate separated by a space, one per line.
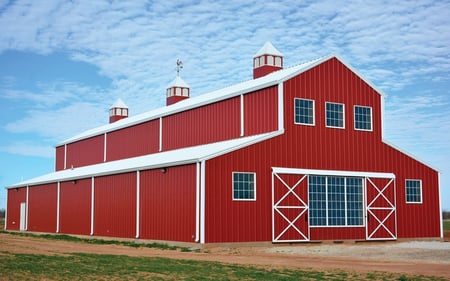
pixel 92 204
pixel 242 114
pixel 58 204
pixel 281 106
pixel 202 202
pixel 197 202
pixel 138 203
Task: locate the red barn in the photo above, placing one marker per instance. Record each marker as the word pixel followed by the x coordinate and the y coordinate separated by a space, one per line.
pixel 295 154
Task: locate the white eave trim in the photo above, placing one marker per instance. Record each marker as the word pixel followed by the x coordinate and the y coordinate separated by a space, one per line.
pixel 295 171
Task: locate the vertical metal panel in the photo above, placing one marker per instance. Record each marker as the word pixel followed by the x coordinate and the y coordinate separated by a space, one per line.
pixel 168 207
pixel 75 207
pixel 42 208
pixel 115 205
pixel 59 158
pixel 261 111
pixel 317 147
pixel 85 152
pixel 206 124
pixel 15 197
pixel 133 141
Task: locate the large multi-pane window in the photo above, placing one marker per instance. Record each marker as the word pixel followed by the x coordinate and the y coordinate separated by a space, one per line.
pixel 304 111
pixel 413 191
pixel 335 201
pixel 363 118
pixel 334 115
pixel 244 186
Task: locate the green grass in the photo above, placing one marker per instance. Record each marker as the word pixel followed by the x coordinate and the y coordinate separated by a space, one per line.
pixel 446 224
pixel 112 267
pixel 69 238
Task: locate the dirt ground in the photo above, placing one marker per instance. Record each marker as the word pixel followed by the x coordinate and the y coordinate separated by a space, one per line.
pixel 430 258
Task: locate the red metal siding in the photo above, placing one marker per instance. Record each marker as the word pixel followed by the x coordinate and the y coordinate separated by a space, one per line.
pixel 15 197
pixel 317 147
pixel 207 124
pixel 85 152
pixel 168 204
pixel 42 208
pixel 261 111
pixel 133 141
pixel 75 207
pixel 59 158
pixel 115 205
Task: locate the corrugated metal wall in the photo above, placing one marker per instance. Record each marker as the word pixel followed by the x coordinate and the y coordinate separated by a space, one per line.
pixel 133 141
pixel 317 147
pixel 115 205
pixel 59 158
pixel 167 202
pixel 42 208
pixel 85 152
pixel 207 124
pixel 15 197
pixel 75 207
pixel 261 111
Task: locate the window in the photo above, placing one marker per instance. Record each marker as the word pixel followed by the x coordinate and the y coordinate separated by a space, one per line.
pixel 304 111
pixel 334 115
pixel 335 201
pixel 363 118
pixel 413 191
pixel 124 112
pixel 244 186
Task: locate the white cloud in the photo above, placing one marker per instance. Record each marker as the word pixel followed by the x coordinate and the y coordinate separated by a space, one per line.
pixel 29 149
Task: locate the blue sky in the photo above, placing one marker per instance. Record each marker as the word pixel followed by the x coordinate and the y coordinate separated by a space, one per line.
pixel 63 63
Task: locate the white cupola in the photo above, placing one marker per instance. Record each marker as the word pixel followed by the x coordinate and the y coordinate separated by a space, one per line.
pixel 267 60
pixel 178 90
pixel 118 110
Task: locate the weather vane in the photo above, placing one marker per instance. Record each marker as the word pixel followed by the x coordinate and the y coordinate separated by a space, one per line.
pixel 179 66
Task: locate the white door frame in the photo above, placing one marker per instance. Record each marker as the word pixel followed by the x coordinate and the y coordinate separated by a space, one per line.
pixel 23 216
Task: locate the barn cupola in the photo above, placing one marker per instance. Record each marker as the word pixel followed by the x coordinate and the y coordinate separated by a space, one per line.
pixel 178 90
pixel 118 110
pixel 267 60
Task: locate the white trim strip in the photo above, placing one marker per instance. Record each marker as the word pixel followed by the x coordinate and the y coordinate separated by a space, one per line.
pixel 58 205
pixel 197 202
pixel 440 206
pixel 279 170
pixel 242 115
pixel 202 202
pixel 26 207
pixel 281 106
pixel 65 156
pixel 160 134
pixel 138 203
pixel 104 147
pixel 92 204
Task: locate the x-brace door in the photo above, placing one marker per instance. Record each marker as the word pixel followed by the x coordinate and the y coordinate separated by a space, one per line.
pixel 290 208
pixel 381 209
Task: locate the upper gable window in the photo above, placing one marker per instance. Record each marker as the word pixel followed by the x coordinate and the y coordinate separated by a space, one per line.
pixel 334 115
pixel 363 118
pixel 304 111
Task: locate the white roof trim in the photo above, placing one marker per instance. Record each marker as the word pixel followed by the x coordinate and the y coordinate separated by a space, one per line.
pixel 278 170
pixel 178 82
pixel 170 158
pixel 245 87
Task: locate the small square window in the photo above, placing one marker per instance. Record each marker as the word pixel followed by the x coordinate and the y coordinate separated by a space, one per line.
pixel 334 115
pixel 244 186
pixel 363 118
pixel 413 191
pixel 304 111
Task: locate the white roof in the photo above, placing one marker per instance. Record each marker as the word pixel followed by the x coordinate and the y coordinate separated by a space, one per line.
pixel 153 161
pixel 178 82
pixel 119 104
pixel 271 79
pixel 268 49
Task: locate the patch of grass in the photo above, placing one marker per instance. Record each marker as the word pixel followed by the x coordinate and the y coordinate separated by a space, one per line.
pixel 65 237
pixel 112 267
pixel 446 224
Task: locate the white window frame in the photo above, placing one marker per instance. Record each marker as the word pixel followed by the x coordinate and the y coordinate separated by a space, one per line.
pixel 314 112
pixel 343 115
pixel 346 218
pixel 254 186
pixel 406 192
pixel 371 118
